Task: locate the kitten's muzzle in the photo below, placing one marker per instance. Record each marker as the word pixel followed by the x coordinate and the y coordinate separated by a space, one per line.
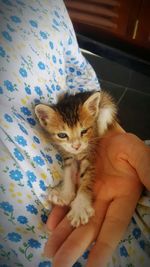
pixel 76 146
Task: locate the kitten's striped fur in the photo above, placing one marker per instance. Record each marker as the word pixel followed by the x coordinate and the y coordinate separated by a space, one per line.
pixel 75 124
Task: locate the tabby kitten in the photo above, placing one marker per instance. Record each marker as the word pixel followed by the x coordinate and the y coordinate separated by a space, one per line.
pixel 74 125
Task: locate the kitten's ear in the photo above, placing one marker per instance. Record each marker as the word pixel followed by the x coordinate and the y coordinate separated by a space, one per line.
pixel 92 104
pixel 44 114
pixel 107 113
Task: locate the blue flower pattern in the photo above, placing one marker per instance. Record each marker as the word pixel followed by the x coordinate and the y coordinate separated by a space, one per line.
pixel 36 139
pixel 31 176
pixel 44 61
pixel 15 19
pixel 14 237
pixel 44 264
pixel 41 65
pixel 34 243
pixel 8 118
pixel 18 154
pixel 1 90
pixel 2 52
pixel 6 206
pixel 136 233
pixel 44 218
pixel 9 85
pixel 33 23
pixel 39 160
pixel 15 175
pixel 25 111
pixel 21 140
pixel 28 90
pixel 123 251
pixel 22 219
pixel 7 36
pixel 42 185
pixel 38 90
pixel 43 35
pixel 22 129
pixel 23 72
pixel 31 121
pixel 32 209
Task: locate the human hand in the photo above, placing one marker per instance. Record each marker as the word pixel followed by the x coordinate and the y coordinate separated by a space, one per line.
pixel 123 165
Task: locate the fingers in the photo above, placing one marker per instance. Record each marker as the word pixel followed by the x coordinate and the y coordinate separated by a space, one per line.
pixel 138 156
pixel 80 238
pixel 116 221
pixel 74 246
pixel 57 237
pixel 56 215
pixel 141 162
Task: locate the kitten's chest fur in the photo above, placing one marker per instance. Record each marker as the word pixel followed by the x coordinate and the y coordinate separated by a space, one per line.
pixel 82 163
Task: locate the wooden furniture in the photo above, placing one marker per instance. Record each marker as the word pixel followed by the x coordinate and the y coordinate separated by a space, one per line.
pixel 127 21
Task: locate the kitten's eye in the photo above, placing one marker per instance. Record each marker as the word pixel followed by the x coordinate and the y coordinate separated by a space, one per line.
pixel 84 132
pixel 62 135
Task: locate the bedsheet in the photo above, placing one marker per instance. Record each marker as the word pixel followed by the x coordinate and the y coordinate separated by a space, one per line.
pixel 40 59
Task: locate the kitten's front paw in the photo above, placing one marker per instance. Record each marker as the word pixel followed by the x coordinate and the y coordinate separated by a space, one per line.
pixel 54 197
pixel 58 197
pixel 80 213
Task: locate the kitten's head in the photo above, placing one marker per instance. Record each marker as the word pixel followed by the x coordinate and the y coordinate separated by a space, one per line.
pixel 71 122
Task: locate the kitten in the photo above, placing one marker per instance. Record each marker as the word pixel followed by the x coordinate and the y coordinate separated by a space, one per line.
pixel 74 125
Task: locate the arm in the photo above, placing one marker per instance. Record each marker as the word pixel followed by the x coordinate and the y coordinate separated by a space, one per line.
pixel 79 73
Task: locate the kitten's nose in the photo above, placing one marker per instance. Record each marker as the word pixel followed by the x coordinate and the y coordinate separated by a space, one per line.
pixel 76 146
